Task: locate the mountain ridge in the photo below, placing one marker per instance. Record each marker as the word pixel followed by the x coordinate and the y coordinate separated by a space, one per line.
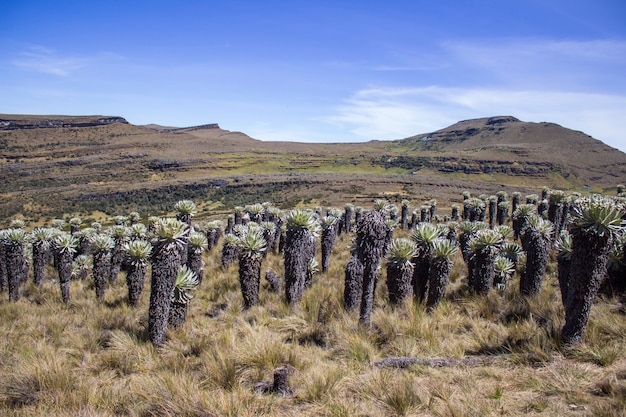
pixel 105 163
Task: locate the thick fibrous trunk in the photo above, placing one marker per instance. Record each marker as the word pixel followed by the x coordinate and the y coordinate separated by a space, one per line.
pixel 276 284
pixel 493 208
pixel 178 314
pixel 135 279
pixel 413 219
pixel 297 255
pixel 454 214
pixel 424 215
pixel 348 214
pixel 370 241
pixel 329 234
pixel 399 277
pixel 537 254
pixel 14 255
pixel 166 260
pixel 404 217
pixel 63 262
pixel 101 272
pixel 419 280
pixel 230 252
pixel 3 269
pixel 483 270
pixel 117 257
pixel 84 246
pixel 195 262
pixel 250 279
pixel 353 284
pixel 590 255
pixel 438 278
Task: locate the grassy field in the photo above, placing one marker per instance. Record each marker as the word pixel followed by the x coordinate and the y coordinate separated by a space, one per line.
pixel 93 359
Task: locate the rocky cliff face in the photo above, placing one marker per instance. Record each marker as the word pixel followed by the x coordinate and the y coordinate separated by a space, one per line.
pixel 7 122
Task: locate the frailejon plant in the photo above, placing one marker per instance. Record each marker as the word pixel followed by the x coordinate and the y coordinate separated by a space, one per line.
pixel 492 209
pixel 166 261
pixel 84 240
pixel 213 231
pixel 312 268
pixel 485 247
pixel 424 234
pixel 504 270
pixel 513 252
pixel 137 231
pixel 251 247
pixel 391 225
pixel 255 211
pixel 186 282
pixel 537 239
pixel 269 232
pixel 404 214
pixel 121 236
pixel 80 267
pixel 64 247
pixel 596 221
pixel 370 241
pixel 468 233
pixel 520 218
pixel 400 270
pixel 196 246
pixel 442 253
pixel 329 235
pixel 42 246
pixel 348 217
pixel 503 212
pixel 353 283
pixel 3 263
pixel 185 210
pixel 138 252
pixel 101 245
pixel 14 242
pixel 230 250
pixel 75 223
pixel 301 227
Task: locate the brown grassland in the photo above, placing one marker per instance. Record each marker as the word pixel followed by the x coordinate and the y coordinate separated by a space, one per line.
pixel 93 359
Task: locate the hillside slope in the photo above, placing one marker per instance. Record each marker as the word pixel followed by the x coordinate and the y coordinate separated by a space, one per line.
pixel 50 165
pixel 508 142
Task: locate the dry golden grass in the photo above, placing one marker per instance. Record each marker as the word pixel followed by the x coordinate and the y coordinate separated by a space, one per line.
pixel 93 359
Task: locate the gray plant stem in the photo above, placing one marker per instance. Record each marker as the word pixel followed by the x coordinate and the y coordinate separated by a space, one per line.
pixel 135 279
pixel 250 279
pixel 329 234
pixel 101 272
pixel 297 249
pixel 41 257
pixel 353 284
pixel 399 277
pixel 537 256
pixel 64 268
pixel 14 255
pixel 166 259
pixel 370 242
pixel 438 278
pixel 590 254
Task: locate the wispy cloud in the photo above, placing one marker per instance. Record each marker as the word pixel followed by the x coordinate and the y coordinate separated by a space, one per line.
pixel 541 63
pixel 48 61
pixel 387 113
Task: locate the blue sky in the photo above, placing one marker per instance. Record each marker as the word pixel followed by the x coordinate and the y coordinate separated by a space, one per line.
pixel 319 71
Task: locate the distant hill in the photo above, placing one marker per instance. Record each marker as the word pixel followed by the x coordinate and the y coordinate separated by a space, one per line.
pixel 51 165
pixel 506 144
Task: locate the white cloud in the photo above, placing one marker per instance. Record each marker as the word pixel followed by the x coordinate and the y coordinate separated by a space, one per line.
pixel 397 113
pixel 48 61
